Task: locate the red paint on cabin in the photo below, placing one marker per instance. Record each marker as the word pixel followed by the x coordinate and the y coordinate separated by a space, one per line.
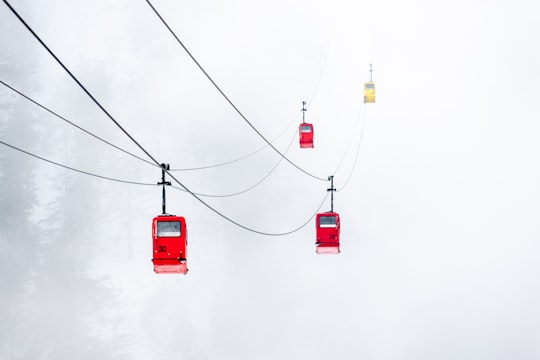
pixel 306 135
pixel 169 244
pixel 328 226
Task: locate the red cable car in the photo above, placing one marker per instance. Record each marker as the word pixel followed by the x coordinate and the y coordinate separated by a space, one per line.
pixel 169 235
pixel 306 135
pixel 327 233
pixel 305 130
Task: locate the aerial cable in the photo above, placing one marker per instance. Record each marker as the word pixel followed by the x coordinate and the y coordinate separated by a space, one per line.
pixel 369 97
pixel 252 186
pixel 357 151
pixel 318 81
pixel 75 125
pixel 248 228
pixel 238 159
pixel 79 83
pixel 144 150
pixel 323 59
pixel 153 184
pixel 243 226
pixel 353 132
pixel 127 152
pixel 73 169
pixel 227 98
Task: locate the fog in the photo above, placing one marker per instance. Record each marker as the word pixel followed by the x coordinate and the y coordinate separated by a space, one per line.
pixel 437 181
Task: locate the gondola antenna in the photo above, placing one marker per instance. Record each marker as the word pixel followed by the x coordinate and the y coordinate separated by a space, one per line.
pixel 163 182
pixel 370 73
pixel 304 112
pixel 332 189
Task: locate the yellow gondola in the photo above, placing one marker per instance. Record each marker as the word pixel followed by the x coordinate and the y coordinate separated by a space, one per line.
pixel 369 92
pixel 369 88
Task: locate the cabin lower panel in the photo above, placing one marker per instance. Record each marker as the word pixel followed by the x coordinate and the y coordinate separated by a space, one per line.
pixel 172 266
pixel 327 249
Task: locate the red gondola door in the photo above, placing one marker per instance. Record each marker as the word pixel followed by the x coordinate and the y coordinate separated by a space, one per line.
pixel 328 226
pixel 169 239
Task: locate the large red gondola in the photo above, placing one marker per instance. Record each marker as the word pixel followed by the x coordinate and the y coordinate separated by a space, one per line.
pixel 327 233
pixel 306 135
pixel 169 239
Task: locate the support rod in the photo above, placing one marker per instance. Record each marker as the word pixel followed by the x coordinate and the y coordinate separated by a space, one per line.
pixel 164 183
pixel 332 189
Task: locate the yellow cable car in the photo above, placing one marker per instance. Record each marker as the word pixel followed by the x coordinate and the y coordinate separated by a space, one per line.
pixel 369 88
pixel 369 92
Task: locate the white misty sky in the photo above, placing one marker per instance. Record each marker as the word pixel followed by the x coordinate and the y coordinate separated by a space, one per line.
pixel 439 221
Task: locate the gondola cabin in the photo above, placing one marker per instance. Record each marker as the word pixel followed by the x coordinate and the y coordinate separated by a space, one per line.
pixel 306 135
pixel 369 92
pixel 327 233
pixel 169 243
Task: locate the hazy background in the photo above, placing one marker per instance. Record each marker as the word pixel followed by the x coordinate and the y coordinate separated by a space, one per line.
pixel 440 254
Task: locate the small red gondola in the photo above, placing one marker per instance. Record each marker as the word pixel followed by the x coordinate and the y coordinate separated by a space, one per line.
pixel 327 233
pixel 169 235
pixel 306 135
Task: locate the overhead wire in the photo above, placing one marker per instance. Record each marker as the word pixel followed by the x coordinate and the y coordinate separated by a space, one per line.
pixel 227 98
pixel 144 150
pixel 237 159
pixel 349 142
pixel 356 123
pixel 252 186
pixel 147 184
pixel 357 152
pixel 373 48
pixel 72 168
pixel 125 151
pixel 359 140
pixel 73 124
pixel 116 147
pixel 323 59
pixel 78 82
pixel 151 184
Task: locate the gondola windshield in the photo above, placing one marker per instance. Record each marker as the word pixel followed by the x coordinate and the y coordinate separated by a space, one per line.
pixel 168 229
pixel 305 128
pixel 327 221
